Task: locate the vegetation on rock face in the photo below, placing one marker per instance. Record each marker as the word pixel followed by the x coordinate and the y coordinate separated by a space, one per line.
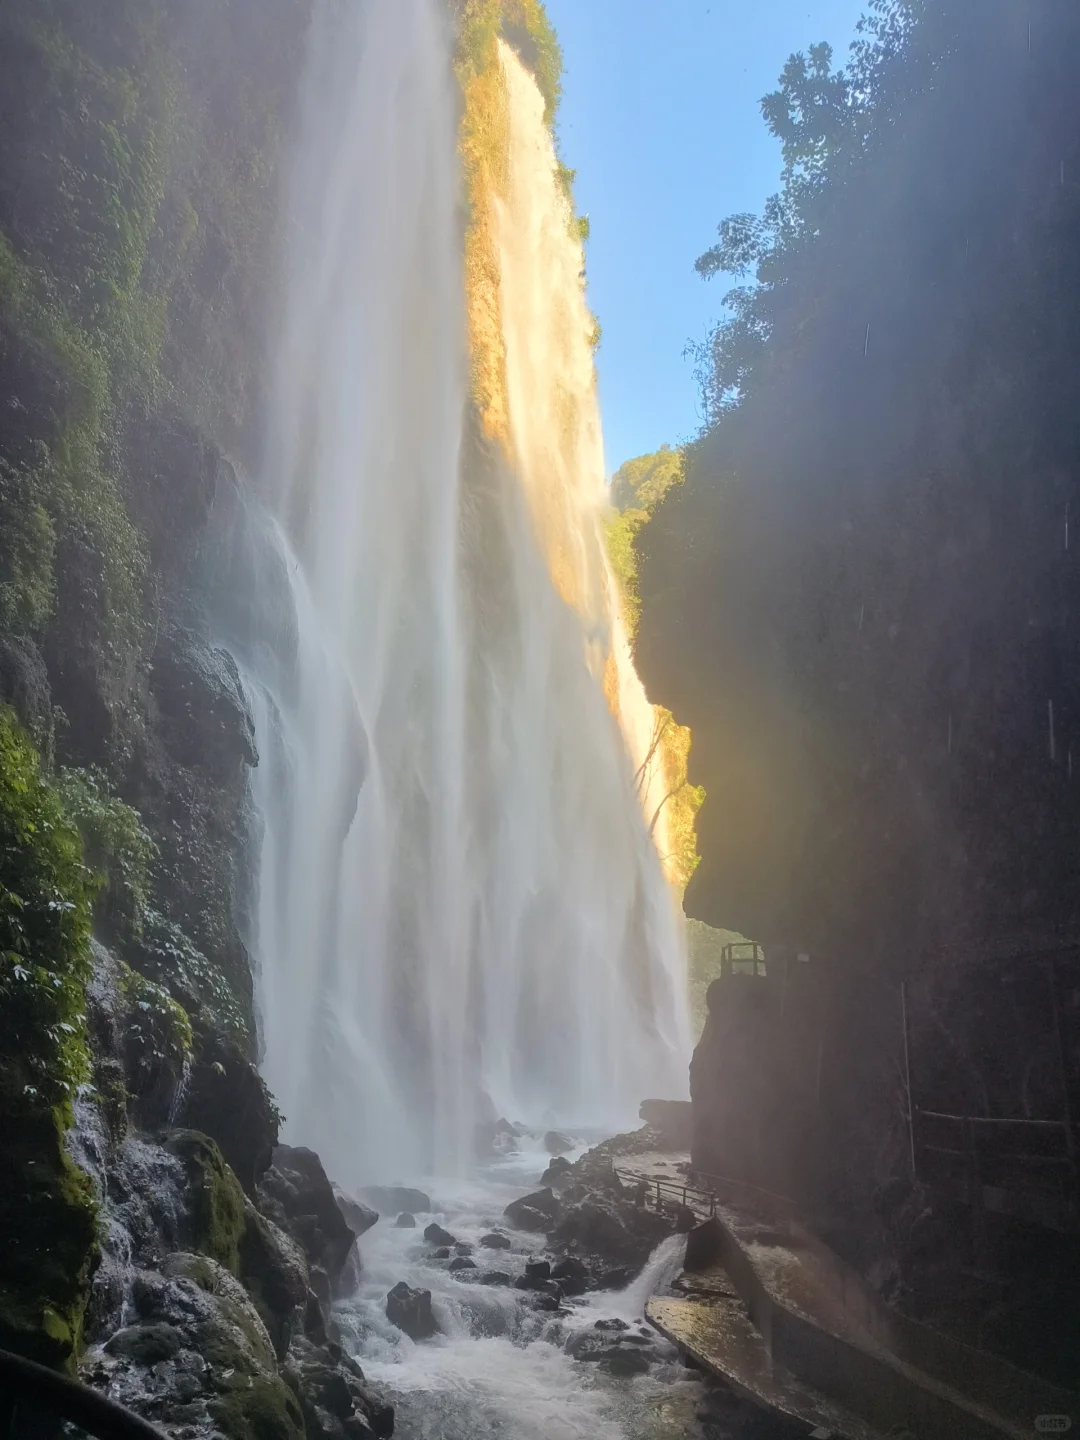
pixel 164 954
pixel 47 1214
pixel 46 896
pixel 157 1037
pixel 138 154
pixel 525 26
pixel 132 253
pixel 637 489
pixel 218 1199
pixel 881 671
pixel 116 846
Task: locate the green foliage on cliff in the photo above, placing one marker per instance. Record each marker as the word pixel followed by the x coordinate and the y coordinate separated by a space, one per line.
pixel 525 25
pixel 870 541
pixel 47 1215
pixel 46 899
pixel 157 1036
pixel 642 483
pixel 167 956
pixel 62 483
pixel 117 848
pixel 134 258
pixel 638 487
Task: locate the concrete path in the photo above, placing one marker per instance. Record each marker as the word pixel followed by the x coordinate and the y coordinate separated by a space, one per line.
pixel 777 1314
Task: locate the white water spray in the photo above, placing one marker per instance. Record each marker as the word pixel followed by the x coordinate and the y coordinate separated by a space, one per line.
pixel 460 905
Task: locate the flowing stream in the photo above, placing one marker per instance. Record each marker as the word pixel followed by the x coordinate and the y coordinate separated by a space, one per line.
pixel 499 1370
pixel 462 911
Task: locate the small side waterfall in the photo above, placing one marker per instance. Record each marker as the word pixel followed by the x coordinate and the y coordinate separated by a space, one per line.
pixel 461 911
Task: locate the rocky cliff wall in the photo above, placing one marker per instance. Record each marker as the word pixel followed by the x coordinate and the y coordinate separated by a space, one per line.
pixel 139 161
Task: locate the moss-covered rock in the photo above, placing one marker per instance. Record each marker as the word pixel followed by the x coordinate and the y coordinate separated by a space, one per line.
pixel 275 1274
pixel 251 1401
pixel 48 1236
pixel 218 1207
pixel 200 1356
pixel 227 1098
pixel 265 1409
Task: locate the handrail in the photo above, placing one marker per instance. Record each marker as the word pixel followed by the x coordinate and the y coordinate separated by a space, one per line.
pixel 678 1189
pixel 707 1195
pixel 68 1399
pixel 746 1185
pixel 994 1120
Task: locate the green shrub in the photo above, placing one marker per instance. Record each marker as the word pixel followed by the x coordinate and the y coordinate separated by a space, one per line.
pixel 27 550
pixel 74 486
pixel 46 899
pixel 166 955
pixel 47 1210
pixel 117 847
pixel 157 1036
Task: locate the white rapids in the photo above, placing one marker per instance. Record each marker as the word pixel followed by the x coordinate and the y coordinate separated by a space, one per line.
pixel 498 1370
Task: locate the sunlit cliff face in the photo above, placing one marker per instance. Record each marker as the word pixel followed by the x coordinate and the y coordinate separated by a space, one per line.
pixel 534 380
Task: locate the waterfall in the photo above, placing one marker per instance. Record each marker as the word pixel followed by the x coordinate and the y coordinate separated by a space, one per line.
pixel 460 911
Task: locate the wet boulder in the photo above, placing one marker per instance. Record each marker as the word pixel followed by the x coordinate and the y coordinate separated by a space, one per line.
pixel 199 1355
pixel 227 1099
pixel 436 1235
pixel 558 1172
pixel 536 1212
pixel 538 1269
pixel 624 1364
pixel 537 1286
pixel 146 1344
pixel 410 1310
pixel 405 1221
pixel 461 1263
pixel 611 1229
pixel 495 1241
pixel 619 1352
pixel 275 1273
pixel 297 1196
pixel 555 1143
pixel 359 1217
pixel 572 1275
pixel 616 1279
pixel 494 1277
pixel 337 1402
pixel 671 1119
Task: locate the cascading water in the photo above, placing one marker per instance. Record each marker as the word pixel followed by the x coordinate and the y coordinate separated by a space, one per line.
pixel 460 904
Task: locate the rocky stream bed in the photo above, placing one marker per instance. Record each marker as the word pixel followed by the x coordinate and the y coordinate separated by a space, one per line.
pixel 506 1307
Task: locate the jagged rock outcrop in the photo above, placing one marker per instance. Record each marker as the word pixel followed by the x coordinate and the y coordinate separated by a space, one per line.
pixel 227 1321
pixel 296 1193
pixel 410 1310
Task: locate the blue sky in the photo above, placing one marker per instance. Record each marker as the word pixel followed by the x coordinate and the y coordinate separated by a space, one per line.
pixel 661 120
